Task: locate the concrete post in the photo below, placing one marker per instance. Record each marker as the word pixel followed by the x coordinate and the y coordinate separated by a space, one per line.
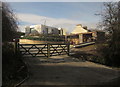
pixel 80 38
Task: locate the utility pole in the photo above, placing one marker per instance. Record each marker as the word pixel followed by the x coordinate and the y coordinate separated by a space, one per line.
pixel 45 22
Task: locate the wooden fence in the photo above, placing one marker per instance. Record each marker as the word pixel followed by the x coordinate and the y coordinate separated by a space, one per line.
pixel 43 50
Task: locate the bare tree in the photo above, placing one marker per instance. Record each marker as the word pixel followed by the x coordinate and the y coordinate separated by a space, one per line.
pixel 9 24
pixel 110 16
pixel 111 23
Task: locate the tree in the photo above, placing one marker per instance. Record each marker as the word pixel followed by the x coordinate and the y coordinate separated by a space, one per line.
pixel 11 63
pixel 111 23
pixel 9 24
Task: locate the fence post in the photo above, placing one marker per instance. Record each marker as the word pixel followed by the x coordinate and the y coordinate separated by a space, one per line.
pixel 68 49
pixel 48 50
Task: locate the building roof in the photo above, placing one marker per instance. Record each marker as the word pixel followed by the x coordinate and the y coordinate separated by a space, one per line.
pixel 81 33
pixel 79 29
pixel 95 30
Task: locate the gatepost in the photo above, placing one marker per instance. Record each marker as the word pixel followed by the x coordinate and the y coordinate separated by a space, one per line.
pixel 16 45
pixel 48 50
pixel 68 48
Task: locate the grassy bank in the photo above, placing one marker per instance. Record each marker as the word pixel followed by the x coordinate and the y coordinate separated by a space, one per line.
pixel 94 53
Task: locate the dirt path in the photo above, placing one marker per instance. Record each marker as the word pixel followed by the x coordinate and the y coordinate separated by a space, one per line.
pixel 64 70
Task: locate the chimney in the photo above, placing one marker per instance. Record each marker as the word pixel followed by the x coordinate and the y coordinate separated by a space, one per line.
pixel 85 27
pixel 79 25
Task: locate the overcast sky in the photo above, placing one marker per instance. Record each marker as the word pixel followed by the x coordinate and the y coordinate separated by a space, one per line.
pixel 57 14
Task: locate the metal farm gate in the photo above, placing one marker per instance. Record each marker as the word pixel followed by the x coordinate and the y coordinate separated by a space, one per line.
pixel 43 50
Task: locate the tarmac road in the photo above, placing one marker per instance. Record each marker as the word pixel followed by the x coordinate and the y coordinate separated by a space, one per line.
pixel 65 70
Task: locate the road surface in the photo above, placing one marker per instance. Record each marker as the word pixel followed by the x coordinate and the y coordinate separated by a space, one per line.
pixel 65 70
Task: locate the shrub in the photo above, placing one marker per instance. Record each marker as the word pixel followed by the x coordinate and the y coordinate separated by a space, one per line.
pixel 109 56
pixel 10 65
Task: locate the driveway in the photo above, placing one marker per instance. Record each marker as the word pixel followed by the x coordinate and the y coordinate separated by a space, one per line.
pixel 65 70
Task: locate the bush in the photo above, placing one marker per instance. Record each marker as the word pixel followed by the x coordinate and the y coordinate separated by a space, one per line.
pixel 10 65
pixel 45 38
pixel 109 56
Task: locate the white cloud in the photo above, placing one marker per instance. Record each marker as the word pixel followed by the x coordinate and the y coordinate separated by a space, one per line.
pixel 36 19
pixel 55 22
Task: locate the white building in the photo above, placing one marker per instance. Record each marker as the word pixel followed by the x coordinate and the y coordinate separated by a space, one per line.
pixel 62 31
pixel 43 29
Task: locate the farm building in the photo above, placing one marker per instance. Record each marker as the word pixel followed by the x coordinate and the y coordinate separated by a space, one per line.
pixel 81 34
